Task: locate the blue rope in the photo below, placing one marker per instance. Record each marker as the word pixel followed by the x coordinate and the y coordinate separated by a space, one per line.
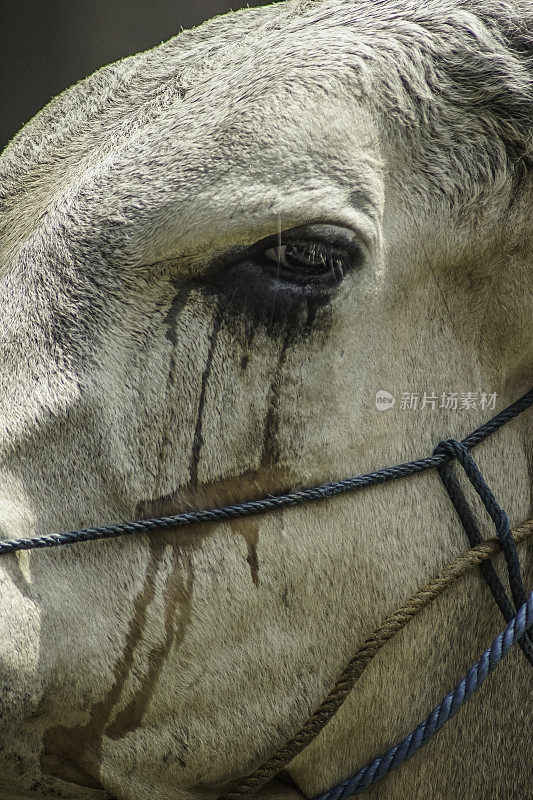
pixel 451 704
pixel 442 455
pixel 503 530
pixel 271 503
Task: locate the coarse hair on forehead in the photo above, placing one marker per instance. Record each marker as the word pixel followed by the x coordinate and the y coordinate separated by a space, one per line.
pixel 451 79
pixel 449 83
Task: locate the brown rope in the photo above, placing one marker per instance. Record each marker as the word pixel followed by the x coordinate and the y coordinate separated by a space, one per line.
pixel 364 655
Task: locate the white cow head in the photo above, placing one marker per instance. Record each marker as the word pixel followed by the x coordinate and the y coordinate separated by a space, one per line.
pixel 213 256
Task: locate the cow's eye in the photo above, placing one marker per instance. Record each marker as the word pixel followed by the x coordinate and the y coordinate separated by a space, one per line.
pixel 307 262
pixel 313 257
pixel 284 275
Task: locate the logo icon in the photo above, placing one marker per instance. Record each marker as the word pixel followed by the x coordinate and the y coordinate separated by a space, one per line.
pixel 384 400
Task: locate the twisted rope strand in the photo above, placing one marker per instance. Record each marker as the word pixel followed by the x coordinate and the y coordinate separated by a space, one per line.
pixel 449 706
pixel 271 503
pixel 364 655
pixel 497 514
pixel 247 509
pixel 471 529
pixel 293 499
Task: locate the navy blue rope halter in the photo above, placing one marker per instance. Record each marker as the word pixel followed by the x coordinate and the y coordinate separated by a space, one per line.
pixel 519 623
pixel 272 502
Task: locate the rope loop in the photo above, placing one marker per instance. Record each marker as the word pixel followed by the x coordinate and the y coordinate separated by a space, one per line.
pixel 446 451
pixel 459 451
pixel 450 447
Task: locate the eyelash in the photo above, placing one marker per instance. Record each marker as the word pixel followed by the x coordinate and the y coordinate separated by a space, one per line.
pixel 306 262
pixel 285 279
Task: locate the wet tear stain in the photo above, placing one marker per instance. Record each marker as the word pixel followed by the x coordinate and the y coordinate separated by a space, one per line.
pixel 171 320
pixel 249 530
pixel 314 305
pixel 176 309
pixel 225 492
pixel 271 450
pixel 268 479
pixel 198 439
pixel 175 593
pixel 76 750
pixel 63 767
pixel 246 341
pixel 249 485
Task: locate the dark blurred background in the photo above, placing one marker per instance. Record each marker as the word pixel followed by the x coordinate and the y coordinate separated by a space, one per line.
pixel 47 45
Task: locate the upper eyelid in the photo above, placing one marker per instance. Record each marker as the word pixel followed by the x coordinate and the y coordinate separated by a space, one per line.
pixel 346 237
pixel 298 235
pixel 327 246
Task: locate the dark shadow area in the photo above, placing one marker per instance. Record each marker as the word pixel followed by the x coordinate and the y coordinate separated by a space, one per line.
pixel 47 45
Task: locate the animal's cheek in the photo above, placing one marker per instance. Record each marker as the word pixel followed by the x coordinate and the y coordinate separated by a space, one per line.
pixel 277 790
pixel 21 680
pixel 21 683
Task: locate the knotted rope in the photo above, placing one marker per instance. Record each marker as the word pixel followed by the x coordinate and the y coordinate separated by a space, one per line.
pixel 449 575
pixel 503 529
pixel 443 453
pixel 271 503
